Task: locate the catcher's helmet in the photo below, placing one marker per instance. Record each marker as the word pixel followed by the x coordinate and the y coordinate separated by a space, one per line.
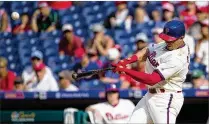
pixel 111 87
pixel 172 31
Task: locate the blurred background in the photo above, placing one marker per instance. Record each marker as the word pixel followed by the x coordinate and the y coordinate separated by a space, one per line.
pixel 51 40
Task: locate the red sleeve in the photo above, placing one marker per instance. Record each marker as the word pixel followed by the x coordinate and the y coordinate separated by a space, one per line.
pixel 11 79
pixel 150 79
pixel 78 42
pixel 61 45
pixel 130 60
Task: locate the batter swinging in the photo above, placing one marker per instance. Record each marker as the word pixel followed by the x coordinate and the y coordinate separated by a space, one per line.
pixel 166 69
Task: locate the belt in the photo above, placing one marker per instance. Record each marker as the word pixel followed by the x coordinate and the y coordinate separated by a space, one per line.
pixel 154 90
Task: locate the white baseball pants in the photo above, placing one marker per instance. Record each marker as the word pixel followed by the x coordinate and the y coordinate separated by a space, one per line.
pixel 158 108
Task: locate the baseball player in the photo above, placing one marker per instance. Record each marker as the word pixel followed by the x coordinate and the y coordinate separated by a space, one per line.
pixel 165 71
pixel 115 110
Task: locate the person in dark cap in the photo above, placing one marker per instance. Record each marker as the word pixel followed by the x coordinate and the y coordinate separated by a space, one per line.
pixel 44 19
pixel 19 84
pixel 65 81
pixel 198 80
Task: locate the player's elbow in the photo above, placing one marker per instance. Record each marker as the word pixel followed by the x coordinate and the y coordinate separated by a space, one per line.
pixel 153 80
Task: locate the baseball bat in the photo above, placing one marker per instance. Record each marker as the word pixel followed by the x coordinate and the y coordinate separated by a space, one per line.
pixel 90 73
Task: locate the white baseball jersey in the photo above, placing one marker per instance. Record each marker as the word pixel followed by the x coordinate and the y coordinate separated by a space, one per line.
pixel 115 114
pixel 171 65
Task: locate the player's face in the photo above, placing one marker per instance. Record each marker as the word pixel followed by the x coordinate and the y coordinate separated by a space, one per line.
pixel 112 97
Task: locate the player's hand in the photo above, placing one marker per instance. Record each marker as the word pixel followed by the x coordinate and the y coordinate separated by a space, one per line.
pixel 119 69
pixel 124 62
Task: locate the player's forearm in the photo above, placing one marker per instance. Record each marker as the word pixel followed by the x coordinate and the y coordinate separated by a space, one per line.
pixel 142 54
pixel 139 56
pixel 150 79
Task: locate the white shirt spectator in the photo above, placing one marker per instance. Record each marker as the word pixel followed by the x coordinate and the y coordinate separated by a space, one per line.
pixel 203 53
pixel 29 76
pixel 48 83
pixel 71 87
pixel 189 40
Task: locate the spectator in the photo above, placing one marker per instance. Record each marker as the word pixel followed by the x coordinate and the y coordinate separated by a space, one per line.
pixel 93 56
pixel 156 18
pixel 114 110
pixel 189 15
pixel 120 17
pixel 45 81
pixel 19 84
pixel 29 75
pixel 142 42
pixel 140 16
pixel 195 29
pixel 113 57
pixel 155 33
pixel 199 80
pixel 24 26
pixel 65 79
pixel 4 21
pixel 168 12
pixel 7 77
pixel 86 63
pixel 100 42
pixel 69 43
pixel 202 51
pixel 44 19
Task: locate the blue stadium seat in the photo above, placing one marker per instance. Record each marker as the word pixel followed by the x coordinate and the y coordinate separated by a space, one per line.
pixel 91 84
pixel 108 3
pixel 53 34
pixel 51 43
pixel 5 35
pixel 27 35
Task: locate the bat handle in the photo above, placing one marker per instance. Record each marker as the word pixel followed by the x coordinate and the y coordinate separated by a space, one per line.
pixel 74 75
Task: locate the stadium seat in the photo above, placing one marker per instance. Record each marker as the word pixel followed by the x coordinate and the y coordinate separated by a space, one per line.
pixel 27 35
pixel 91 84
pixel 53 34
pixel 5 35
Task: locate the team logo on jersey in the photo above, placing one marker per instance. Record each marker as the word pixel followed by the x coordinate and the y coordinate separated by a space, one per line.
pixel 152 59
pixel 115 117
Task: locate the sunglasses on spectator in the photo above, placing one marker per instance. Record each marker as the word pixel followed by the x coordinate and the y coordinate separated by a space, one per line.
pixel 60 78
pixel 35 58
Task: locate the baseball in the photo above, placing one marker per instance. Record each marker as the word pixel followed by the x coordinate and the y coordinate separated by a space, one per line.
pixel 15 15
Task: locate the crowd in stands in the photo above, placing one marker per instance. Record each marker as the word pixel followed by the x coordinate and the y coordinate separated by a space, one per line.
pixel 51 40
